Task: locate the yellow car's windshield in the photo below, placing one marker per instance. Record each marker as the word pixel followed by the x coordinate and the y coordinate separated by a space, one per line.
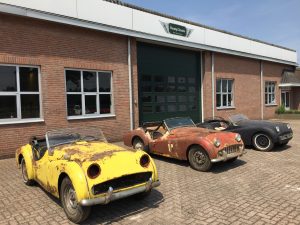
pixel 71 135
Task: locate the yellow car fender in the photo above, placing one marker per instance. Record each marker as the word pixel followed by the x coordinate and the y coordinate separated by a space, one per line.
pixel 75 173
pixel 26 153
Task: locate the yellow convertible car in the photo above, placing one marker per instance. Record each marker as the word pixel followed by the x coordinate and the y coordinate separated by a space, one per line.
pixel 79 167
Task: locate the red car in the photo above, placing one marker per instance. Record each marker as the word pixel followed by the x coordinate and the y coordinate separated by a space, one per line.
pixel 180 138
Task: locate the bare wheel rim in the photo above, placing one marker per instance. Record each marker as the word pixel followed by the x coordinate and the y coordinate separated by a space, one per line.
pixel 24 172
pixel 199 158
pixel 70 199
pixel 262 141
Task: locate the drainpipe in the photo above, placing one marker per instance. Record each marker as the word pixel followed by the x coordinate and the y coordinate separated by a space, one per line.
pixel 130 84
pixel 262 89
pixel 202 78
pixel 213 83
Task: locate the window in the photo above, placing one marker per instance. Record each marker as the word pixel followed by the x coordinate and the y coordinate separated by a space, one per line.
pixel 19 93
pixel 89 93
pixel 270 93
pixel 224 93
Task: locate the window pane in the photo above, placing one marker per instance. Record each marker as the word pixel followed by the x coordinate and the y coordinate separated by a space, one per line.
pixel 105 82
pixel 90 104
pixel 105 104
pixel 160 99
pixel 8 78
pixel 192 89
pixel 171 80
pixel 224 85
pixel 182 88
pixel 230 82
pixel 159 88
pixel 192 99
pixel 225 100
pixel 147 98
pixel 266 98
pixel 30 106
pixel 74 105
pixel 171 88
pixel 171 98
pixel 73 81
pixel 159 108
pixel 29 79
pixel 159 79
pixel 144 78
pixel 147 109
pixel 171 108
pixel 218 85
pixel 230 100
pixel 218 100
pixel 182 98
pixel 191 80
pixel 182 108
pixel 89 81
pixel 181 80
pixel 8 107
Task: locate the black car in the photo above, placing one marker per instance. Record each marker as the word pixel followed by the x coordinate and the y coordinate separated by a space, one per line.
pixel 261 134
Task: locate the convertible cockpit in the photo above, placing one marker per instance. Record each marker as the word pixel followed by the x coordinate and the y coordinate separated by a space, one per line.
pixel 39 147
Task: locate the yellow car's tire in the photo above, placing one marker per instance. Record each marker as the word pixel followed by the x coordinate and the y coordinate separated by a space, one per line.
pixel 75 212
pixel 25 174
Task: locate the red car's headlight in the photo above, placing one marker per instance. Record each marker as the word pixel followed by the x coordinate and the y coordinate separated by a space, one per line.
pixel 145 161
pixel 93 171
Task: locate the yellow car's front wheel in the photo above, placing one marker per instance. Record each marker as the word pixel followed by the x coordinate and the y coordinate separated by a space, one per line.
pixel 75 212
pixel 26 180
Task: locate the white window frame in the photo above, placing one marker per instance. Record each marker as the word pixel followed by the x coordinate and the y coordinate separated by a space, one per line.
pixel 221 93
pixel 18 94
pixel 268 93
pixel 97 94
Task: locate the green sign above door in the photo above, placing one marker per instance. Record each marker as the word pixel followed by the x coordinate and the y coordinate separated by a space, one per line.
pixel 177 29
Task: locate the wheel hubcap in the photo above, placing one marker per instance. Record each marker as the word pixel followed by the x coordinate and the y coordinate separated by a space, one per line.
pixel 139 146
pixel 263 141
pixel 199 158
pixel 70 199
pixel 24 171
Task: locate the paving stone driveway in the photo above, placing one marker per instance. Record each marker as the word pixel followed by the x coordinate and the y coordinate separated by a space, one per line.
pixel 261 188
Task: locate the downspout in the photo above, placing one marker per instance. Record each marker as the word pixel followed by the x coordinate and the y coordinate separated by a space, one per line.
pixel 202 78
pixel 262 89
pixel 130 84
pixel 213 83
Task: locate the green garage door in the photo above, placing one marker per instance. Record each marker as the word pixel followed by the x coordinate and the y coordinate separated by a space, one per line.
pixel 169 83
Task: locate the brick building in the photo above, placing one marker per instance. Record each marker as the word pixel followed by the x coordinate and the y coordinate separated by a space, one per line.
pixel 113 65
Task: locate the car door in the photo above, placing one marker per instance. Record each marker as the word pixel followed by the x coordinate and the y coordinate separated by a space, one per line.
pixel 42 170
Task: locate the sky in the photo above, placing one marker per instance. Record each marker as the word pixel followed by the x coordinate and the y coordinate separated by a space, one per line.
pixel 274 21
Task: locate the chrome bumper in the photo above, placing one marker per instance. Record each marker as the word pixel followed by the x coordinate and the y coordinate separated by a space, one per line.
pixel 111 196
pixel 226 156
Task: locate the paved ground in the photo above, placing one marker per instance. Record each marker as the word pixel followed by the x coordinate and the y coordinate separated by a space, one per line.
pixel 261 188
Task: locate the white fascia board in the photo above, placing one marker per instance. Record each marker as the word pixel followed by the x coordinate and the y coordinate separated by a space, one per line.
pixel 110 17
pixel 289 85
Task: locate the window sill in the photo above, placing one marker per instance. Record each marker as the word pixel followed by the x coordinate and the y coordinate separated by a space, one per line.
pixel 90 117
pixel 271 105
pixel 224 108
pixel 22 121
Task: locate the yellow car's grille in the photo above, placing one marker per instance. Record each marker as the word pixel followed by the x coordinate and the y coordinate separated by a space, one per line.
pixel 121 182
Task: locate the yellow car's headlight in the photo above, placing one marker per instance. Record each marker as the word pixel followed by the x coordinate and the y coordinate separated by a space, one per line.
pixel 145 160
pixel 93 171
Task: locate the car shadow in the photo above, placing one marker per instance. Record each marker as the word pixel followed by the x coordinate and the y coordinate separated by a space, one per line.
pixel 171 160
pixel 221 167
pixel 119 209
pixel 124 208
pixel 277 148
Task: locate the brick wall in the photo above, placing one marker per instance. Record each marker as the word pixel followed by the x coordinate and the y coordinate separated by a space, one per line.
pixel 247 86
pixel 54 47
pixel 273 72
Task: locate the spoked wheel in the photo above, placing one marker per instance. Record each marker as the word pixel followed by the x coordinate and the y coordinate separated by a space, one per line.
pixel 262 142
pixel 75 212
pixel 199 159
pixel 25 174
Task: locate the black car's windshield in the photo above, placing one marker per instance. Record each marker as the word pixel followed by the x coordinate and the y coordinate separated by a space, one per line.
pixel 179 122
pixel 238 118
pixel 71 135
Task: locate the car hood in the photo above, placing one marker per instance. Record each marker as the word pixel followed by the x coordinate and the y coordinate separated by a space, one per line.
pixel 90 151
pixel 263 123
